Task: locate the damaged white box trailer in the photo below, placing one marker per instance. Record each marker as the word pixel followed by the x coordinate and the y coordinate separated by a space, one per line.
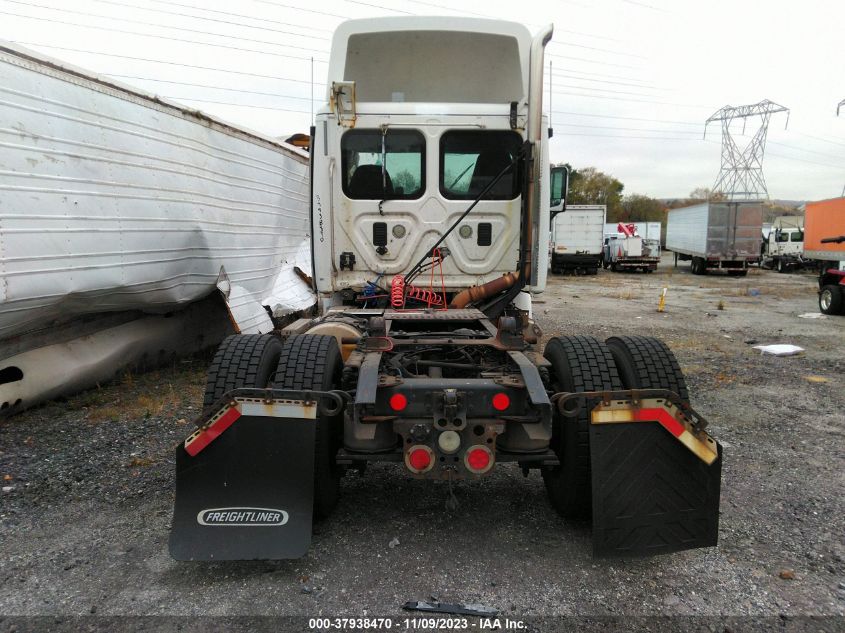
pixel 118 210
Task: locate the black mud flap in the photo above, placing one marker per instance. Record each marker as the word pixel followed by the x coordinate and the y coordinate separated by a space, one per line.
pixel 651 494
pixel 248 495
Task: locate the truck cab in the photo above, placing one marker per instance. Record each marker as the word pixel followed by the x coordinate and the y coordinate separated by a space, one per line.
pixel 784 245
pixel 402 148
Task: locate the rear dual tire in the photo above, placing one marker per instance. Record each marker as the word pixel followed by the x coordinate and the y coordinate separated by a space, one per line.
pixel 579 363
pixel 302 362
pixel 583 363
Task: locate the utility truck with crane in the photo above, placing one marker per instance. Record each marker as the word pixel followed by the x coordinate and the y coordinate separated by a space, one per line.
pixel 430 211
pixel 627 250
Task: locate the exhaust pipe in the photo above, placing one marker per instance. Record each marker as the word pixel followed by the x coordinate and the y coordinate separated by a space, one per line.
pixel 477 293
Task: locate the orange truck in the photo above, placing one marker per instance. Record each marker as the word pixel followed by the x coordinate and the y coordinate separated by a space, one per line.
pixel 824 241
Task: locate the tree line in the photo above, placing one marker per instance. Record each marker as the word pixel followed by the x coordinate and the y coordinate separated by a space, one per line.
pixel 589 185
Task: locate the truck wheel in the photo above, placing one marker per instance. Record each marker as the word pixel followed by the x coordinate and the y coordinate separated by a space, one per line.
pixel 579 363
pixel 698 266
pixel 645 362
pixel 831 300
pixel 241 361
pixel 313 361
pixel 781 268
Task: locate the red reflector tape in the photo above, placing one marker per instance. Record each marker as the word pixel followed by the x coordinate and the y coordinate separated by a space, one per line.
pixel 195 444
pixel 663 417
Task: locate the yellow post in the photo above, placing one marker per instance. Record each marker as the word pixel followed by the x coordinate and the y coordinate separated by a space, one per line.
pixel 661 304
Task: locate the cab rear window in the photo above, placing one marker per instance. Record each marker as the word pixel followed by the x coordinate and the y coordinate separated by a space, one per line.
pixel 471 159
pixel 380 166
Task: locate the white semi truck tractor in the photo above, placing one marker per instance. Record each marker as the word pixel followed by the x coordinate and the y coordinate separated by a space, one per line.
pixel 430 227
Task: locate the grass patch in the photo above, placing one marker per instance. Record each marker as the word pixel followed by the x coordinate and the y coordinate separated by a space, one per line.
pixel 156 393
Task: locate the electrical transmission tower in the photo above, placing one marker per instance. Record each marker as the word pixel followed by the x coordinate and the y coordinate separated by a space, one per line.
pixel 741 174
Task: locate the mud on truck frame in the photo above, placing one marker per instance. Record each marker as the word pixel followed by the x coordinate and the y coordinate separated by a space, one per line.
pixel 431 371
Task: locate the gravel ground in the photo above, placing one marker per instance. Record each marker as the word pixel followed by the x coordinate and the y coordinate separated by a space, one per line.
pixel 87 489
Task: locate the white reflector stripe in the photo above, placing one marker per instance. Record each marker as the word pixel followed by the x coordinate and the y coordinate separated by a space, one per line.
pixel 280 409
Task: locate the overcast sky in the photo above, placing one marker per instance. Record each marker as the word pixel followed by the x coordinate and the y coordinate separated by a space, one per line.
pixel 634 80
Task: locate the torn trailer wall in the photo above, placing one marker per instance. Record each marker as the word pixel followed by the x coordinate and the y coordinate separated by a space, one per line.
pixel 112 200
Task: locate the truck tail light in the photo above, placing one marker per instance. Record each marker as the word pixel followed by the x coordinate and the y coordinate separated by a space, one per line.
pixel 398 402
pixel 501 401
pixel 479 459
pixel 419 459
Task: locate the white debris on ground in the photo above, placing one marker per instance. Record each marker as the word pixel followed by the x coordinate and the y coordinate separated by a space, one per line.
pixel 779 349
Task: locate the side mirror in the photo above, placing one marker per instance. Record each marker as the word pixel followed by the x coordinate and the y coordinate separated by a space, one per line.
pixel 558 187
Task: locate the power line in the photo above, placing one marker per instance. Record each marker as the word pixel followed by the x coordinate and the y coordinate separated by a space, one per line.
pixel 671 138
pixel 378 6
pixel 593 89
pixel 625 118
pixel 804 160
pixel 809 151
pixel 628 136
pixel 160 61
pixel 314 11
pixel 162 26
pixel 494 17
pixel 591 61
pixel 237 15
pixel 217 20
pixel 646 6
pixel 584 46
pixel 161 37
pixel 819 138
pixel 629 129
pixel 603 81
pixel 193 85
pixel 239 105
pixel 601 50
pixel 595 74
pixel 587 96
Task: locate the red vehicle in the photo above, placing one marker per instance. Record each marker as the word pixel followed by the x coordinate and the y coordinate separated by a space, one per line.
pixel 824 241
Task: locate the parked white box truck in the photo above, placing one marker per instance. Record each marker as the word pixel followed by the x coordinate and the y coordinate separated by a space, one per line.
pixel 716 236
pixel 577 239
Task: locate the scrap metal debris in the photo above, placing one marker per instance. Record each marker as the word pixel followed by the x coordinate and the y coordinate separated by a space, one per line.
pixel 455 609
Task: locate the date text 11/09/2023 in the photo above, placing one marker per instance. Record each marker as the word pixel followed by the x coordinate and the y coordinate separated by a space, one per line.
pixel 416 624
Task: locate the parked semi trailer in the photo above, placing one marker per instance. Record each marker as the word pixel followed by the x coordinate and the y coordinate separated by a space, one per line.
pixel 824 242
pixel 430 213
pixel 783 246
pixel 716 236
pixel 577 239
pixel 121 214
